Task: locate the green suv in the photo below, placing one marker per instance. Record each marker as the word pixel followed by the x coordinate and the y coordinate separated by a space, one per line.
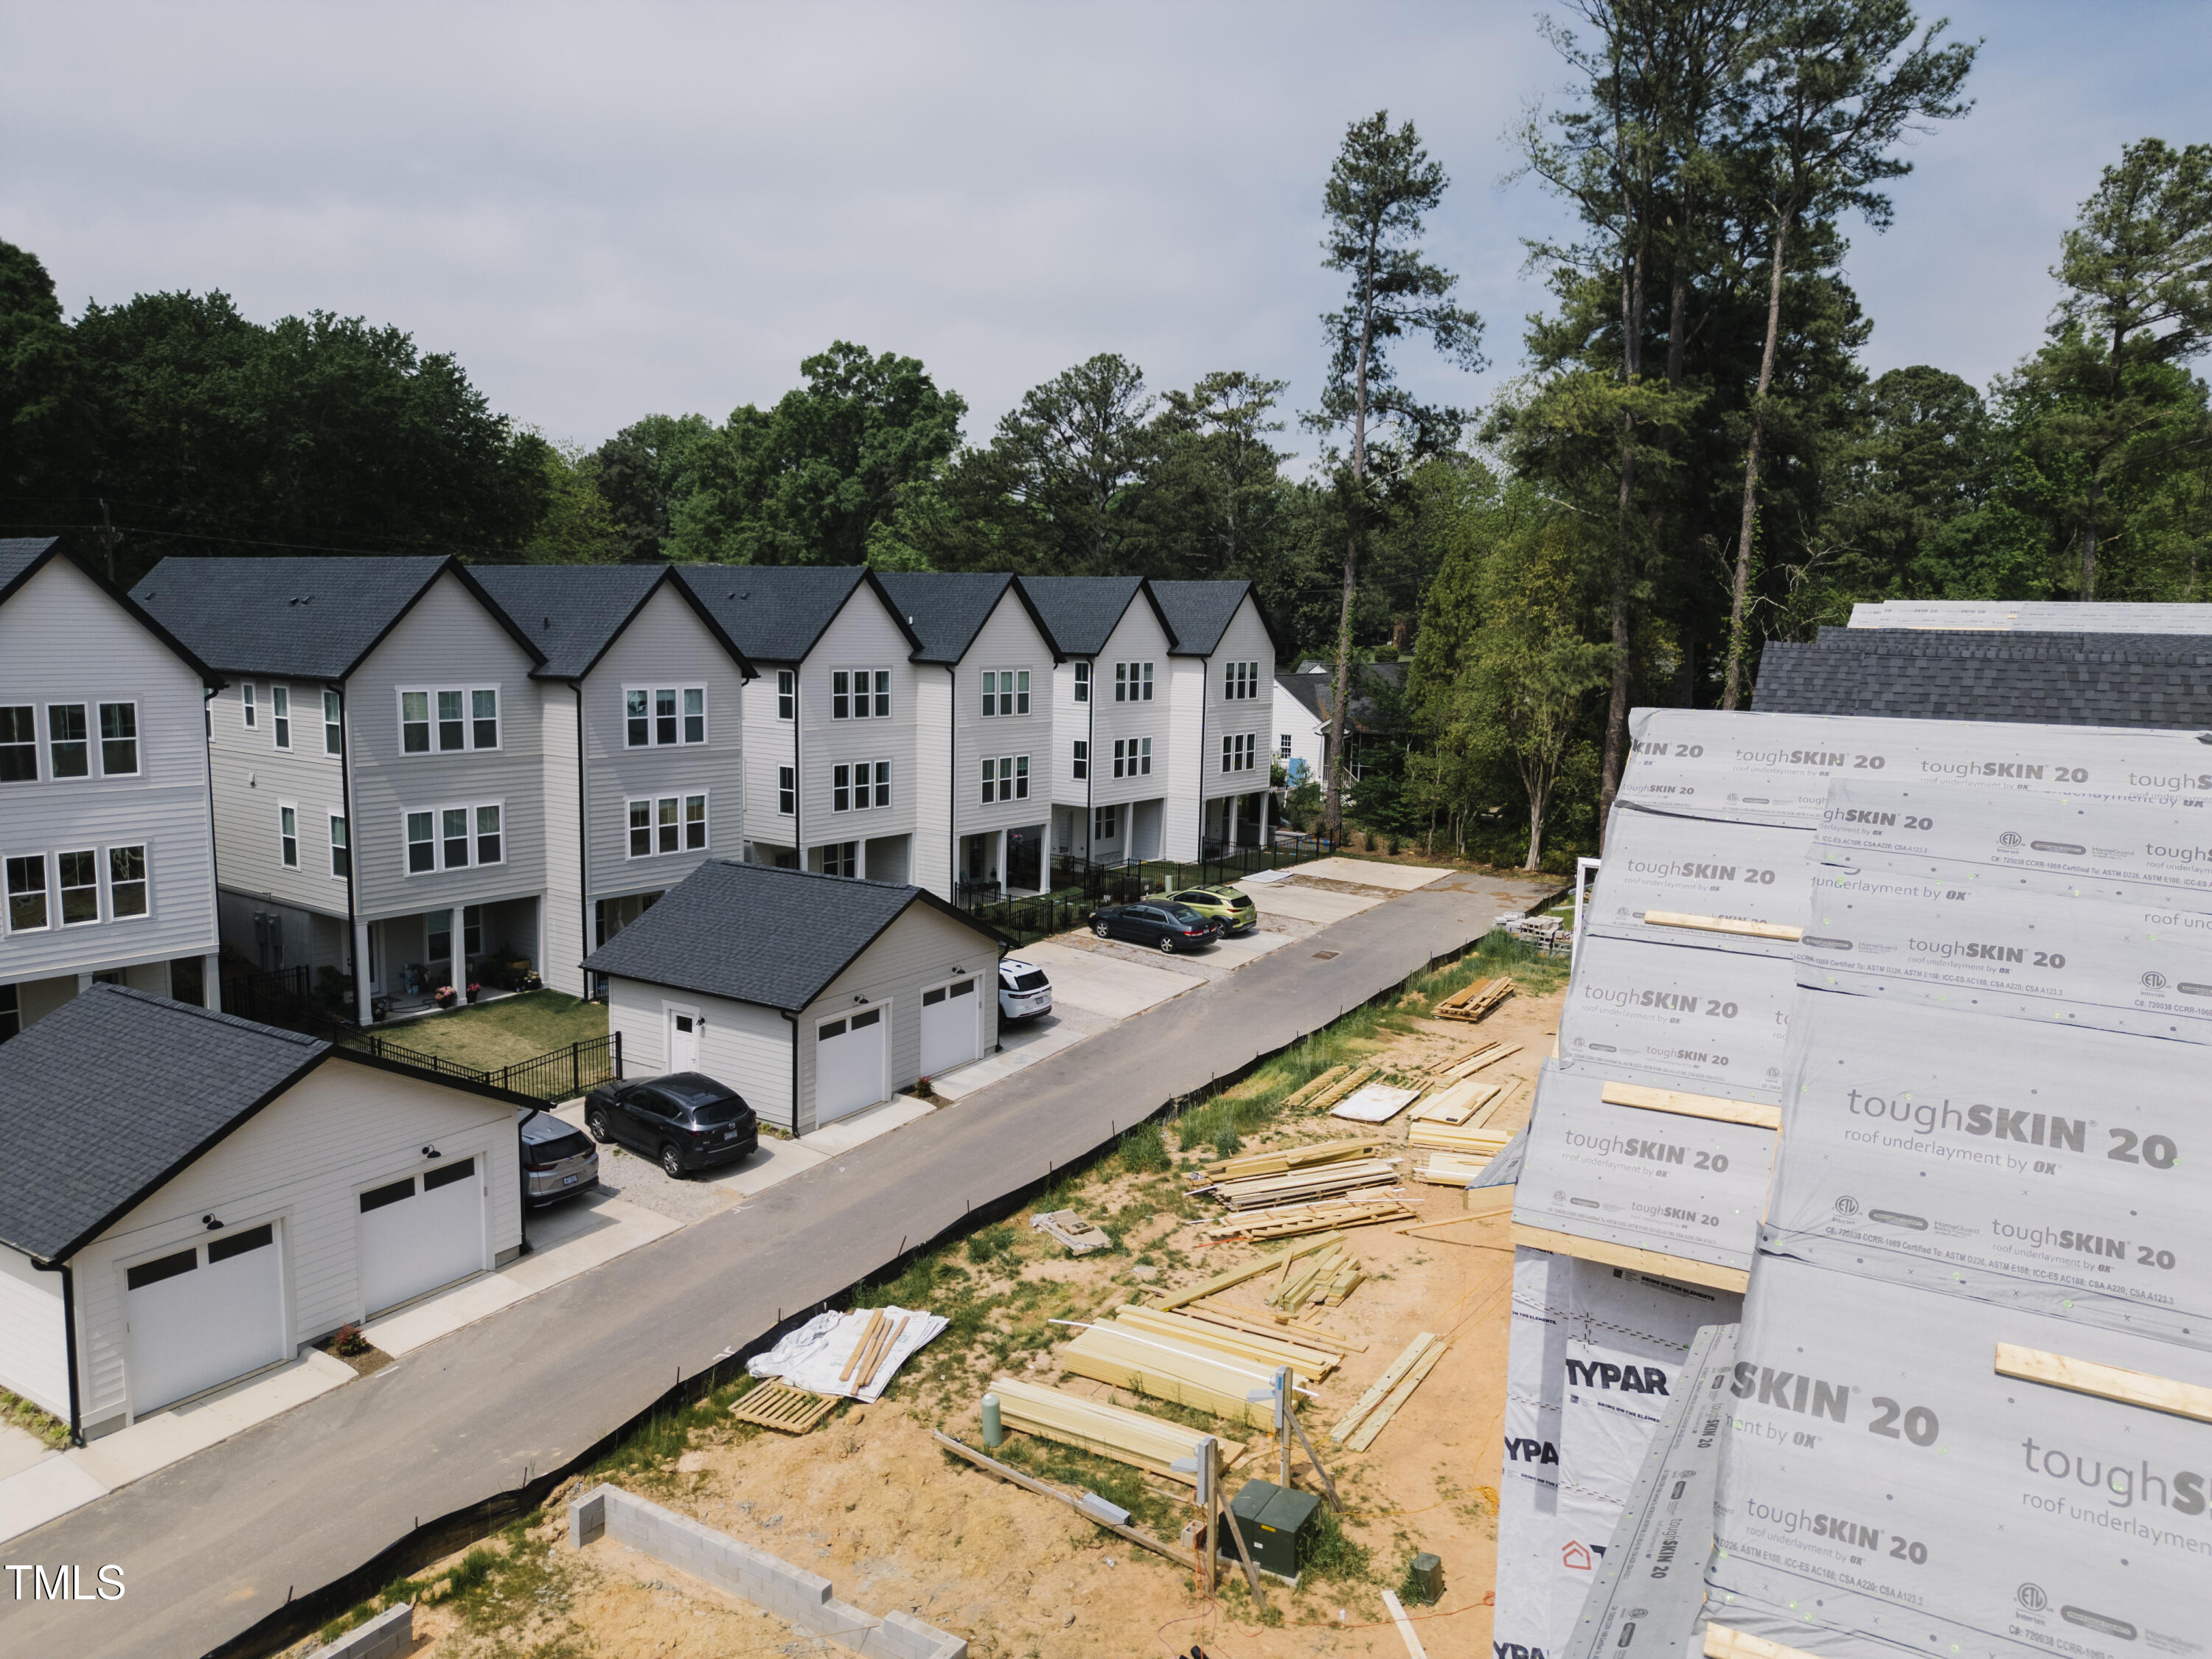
pixel 1227 905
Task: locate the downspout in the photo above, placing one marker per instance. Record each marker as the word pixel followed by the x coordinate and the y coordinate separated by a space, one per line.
pixel 1090 759
pixel 583 839
pixel 793 1019
pixel 798 834
pixel 211 995
pixel 952 781
pixel 363 995
pixel 69 1333
pixel 1205 694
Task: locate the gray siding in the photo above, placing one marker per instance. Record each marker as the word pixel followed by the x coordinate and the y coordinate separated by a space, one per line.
pixel 863 636
pixel 33 1360
pixel 740 1043
pixel 448 640
pixel 63 640
pixel 254 780
pixel 567 909
pixel 1008 640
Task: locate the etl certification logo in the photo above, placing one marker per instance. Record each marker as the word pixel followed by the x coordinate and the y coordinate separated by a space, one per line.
pixel 2032 1597
pixel 2011 838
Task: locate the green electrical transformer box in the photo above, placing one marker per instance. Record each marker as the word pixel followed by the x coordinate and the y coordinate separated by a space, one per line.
pixel 1272 1519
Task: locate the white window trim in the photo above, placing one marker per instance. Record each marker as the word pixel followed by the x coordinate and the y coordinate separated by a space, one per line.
pixel 652 734
pixel 37 758
pixel 280 718
pixel 870 672
pixel 1240 681
pixel 107 881
pixel 786 694
pixel 98 889
pixel 337 820
pixel 48 876
pixel 329 726
pixel 682 798
pixel 245 705
pixel 91 740
pixel 1083 678
pixel 1020 696
pixel 138 737
pixel 1078 759
pixel 438 837
pixel 787 790
pixel 1133 681
pixel 283 807
pixel 468 721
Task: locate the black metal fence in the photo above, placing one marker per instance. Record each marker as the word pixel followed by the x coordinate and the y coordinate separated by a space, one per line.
pixel 556 1074
pixel 282 998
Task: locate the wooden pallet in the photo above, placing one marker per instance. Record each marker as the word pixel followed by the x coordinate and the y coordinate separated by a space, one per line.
pixel 1343 1086
pixel 780 1405
pixel 1475 1001
pixel 1290 1220
pixel 1314 1087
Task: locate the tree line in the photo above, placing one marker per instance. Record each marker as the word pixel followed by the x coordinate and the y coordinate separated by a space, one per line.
pixel 1692 461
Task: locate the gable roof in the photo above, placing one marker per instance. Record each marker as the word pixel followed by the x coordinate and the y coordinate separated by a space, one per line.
pixel 152 1087
pixel 948 608
pixel 23 557
pixel 755 933
pixel 2159 681
pixel 1199 613
pixel 776 612
pixel 1079 613
pixel 1316 691
pixel 573 612
pixel 306 618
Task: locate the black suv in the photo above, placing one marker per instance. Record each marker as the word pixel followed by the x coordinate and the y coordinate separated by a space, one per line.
pixel 686 1120
pixel 1158 922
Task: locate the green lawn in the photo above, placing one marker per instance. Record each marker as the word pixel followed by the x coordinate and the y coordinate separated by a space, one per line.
pixel 496 1033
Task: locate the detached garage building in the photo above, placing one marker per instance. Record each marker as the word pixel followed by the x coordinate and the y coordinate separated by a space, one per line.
pixel 190 1197
pixel 813 996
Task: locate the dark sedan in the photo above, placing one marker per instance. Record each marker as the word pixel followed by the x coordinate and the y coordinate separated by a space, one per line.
pixel 686 1121
pixel 1157 922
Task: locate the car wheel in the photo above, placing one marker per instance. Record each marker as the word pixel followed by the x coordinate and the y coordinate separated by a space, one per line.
pixel 596 1121
pixel 1167 945
pixel 671 1164
pixel 1102 930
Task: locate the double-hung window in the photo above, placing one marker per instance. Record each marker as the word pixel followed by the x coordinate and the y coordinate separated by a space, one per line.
pixel 333 724
pixel 488 834
pixel 1133 758
pixel 1082 758
pixel 1082 682
pixel 860 694
pixel 695 823
pixel 841 788
pixel 1010 775
pixel 859 786
pixel 341 847
pixel 19 743
pixel 80 887
pixel 247 705
pixel 483 719
pixel 1133 681
pixel 422 843
pixel 69 753
pixel 1286 746
pixel 787 693
pixel 118 739
pixel 288 836
pixel 787 790
pixel 126 882
pixel 454 825
pixel 1239 754
pixel 641 828
pixel 1005 691
pixel 27 893
pixel 840 857
pixel 414 722
pixel 280 715
pixel 1240 681
pixel 1105 822
pixel 453 728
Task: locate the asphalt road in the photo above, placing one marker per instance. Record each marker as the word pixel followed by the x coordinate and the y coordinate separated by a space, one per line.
pixel 211 1545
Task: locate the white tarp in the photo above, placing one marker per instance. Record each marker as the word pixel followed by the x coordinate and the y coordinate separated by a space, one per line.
pixel 1879 1479
pixel 811 1356
pixel 1712 1022
pixel 1656 1181
pixel 1378 1102
pixel 1668 862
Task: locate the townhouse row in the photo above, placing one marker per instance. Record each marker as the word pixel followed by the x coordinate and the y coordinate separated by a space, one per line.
pixel 424 770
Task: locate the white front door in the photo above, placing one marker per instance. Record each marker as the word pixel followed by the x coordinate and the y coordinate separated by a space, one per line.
pixel 848 1063
pixel 419 1232
pixel 204 1314
pixel 950 1029
pixel 682 1045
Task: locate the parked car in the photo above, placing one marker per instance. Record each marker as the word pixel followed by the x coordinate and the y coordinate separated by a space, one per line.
pixel 558 1159
pixel 1024 992
pixel 686 1121
pixel 1230 906
pixel 1158 922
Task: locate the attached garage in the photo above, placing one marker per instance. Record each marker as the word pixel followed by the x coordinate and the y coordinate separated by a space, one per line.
pixel 218 1194
pixel 813 996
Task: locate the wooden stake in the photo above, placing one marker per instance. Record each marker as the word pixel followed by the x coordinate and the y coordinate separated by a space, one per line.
pixel 867 1335
pixel 1211 1451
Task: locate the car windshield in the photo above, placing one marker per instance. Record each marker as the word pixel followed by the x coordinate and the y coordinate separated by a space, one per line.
pixel 1032 980
pixel 716 1113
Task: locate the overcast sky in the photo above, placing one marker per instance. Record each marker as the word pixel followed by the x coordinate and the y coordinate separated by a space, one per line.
pixel 608 211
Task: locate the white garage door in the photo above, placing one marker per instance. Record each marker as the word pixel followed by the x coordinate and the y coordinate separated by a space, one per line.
pixel 420 1232
pixel 848 1064
pixel 949 1028
pixel 203 1315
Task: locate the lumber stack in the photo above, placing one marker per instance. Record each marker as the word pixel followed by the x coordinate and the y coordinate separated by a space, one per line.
pixel 1290 1220
pixel 1325 1098
pixel 1307 1364
pixel 1453 1168
pixel 1235 1276
pixel 1469 1062
pixel 1313 1086
pixel 1326 1277
pixel 1283 1161
pixel 1169 1368
pixel 1367 1419
pixel 1302 1185
pixel 1458 1103
pixel 1466 1139
pixel 1096 1425
pixel 1277 1324
pixel 1475 1001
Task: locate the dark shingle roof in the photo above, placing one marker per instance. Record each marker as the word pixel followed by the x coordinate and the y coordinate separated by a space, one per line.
pixel 148 1084
pixel 1079 612
pixel 755 934
pixel 21 556
pixel 18 553
pixel 1199 613
pixel 947 609
pixel 2050 679
pixel 311 619
pixel 1316 692
pixel 573 612
pixel 775 612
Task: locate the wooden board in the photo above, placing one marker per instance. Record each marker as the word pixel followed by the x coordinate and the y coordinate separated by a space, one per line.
pixel 1322 1180
pixel 1373 1103
pixel 1379 1418
pixel 1314 1087
pixel 1627 1255
pixel 1448 1137
pixel 1071 1230
pixel 1682 1104
pixel 1145 1541
pixel 2058 1370
pixel 1290 1220
pixel 1251 1269
pixel 1451 1170
pixel 1099 1426
pixel 1475 1001
pixel 1311 1335
pixel 1281 1161
pixel 1380 1390
pixel 779 1405
pixel 1308 1364
pixel 1480 1059
pixel 1721 1643
pixel 1721 925
pixel 1457 1104
pixel 1166 1368
pixel 1343 1086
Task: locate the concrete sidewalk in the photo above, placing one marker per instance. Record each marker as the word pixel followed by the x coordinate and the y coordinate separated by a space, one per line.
pixel 217 1542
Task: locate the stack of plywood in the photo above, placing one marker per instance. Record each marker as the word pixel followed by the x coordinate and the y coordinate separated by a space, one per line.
pixel 1453 1168
pixel 1467 1138
pixel 1235 1276
pixel 1326 1277
pixel 1307 1364
pixel 1290 1220
pixel 1458 1103
pixel 1301 1185
pixel 1097 1426
pixel 1169 1368
pixel 1476 1001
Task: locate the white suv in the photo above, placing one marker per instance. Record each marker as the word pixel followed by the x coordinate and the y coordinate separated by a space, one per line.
pixel 1024 991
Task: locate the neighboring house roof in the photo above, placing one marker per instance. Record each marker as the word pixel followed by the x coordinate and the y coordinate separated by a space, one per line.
pixel 948 609
pixel 23 557
pixel 115 1091
pixel 573 612
pixel 305 618
pixel 2050 679
pixel 1199 613
pixel 1079 613
pixel 1316 691
pixel 755 933
pixel 775 612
